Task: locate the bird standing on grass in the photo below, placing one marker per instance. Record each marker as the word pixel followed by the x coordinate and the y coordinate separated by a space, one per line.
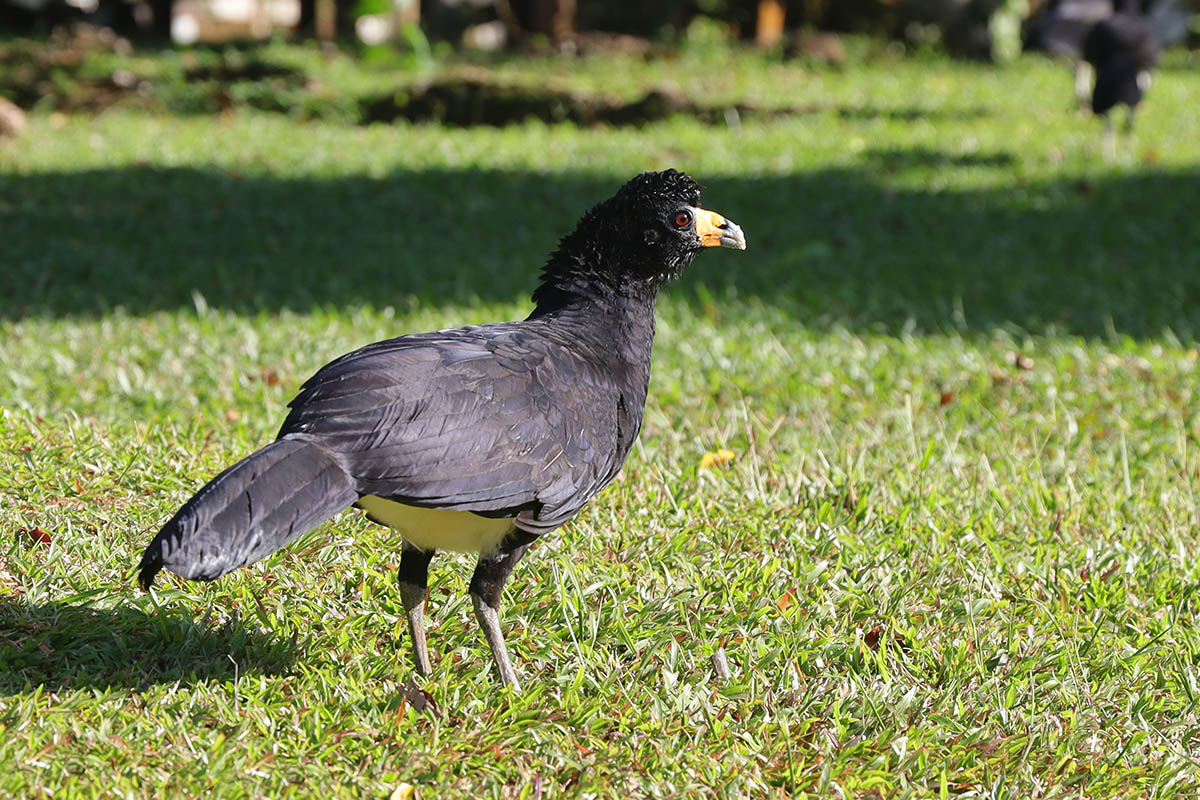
pixel 1060 28
pixel 476 439
pixel 1122 49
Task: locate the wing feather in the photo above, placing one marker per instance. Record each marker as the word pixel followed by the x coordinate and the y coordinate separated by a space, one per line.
pixel 495 419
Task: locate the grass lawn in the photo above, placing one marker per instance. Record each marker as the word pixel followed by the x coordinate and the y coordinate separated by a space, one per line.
pixel 955 553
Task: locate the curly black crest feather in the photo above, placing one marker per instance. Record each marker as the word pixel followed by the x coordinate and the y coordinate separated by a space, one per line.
pixel 669 184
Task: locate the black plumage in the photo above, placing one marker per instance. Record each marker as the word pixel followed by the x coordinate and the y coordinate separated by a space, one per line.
pixel 477 419
pixel 478 438
pixel 1061 26
pixel 1122 49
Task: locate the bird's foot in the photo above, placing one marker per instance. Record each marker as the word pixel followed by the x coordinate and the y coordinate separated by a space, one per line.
pixel 489 621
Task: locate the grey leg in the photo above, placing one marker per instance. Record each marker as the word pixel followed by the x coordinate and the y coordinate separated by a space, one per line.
pixel 414 581
pixel 1083 84
pixel 487 583
pixel 1129 123
pixel 489 621
pixel 1110 138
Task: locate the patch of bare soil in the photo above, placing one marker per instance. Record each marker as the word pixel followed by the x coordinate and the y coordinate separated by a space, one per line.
pixel 476 97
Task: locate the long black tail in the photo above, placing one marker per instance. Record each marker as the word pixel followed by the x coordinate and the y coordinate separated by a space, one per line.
pixel 260 504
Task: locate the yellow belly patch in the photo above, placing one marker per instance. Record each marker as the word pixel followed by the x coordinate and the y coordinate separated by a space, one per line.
pixel 438 528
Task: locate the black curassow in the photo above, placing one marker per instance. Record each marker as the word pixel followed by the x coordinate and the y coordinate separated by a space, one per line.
pixel 475 439
pixel 1122 50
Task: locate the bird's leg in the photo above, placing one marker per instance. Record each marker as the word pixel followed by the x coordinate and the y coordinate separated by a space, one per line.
pixel 1110 139
pixel 414 578
pixel 1128 131
pixel 1083 84
pixel 486 585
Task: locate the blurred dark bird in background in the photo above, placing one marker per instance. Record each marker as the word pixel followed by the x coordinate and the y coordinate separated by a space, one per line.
pixel 1060 27
pixel 1123 34
pixel 1121 49
pixel 476 439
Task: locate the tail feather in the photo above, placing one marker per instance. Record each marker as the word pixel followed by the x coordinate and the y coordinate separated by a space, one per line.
pixel 260 504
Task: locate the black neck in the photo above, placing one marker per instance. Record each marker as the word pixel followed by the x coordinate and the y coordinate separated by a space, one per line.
pixel 614 322
pixel 573 281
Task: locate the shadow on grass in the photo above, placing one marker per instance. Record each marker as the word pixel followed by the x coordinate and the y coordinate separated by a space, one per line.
pixel 892 159
pixel 858 246
pixel 60 646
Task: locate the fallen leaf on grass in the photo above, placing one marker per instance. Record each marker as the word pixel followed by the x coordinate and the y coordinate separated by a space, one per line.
pixel 719 458
pixel 786 599
pixel 850 499
pixel 419 699
pixel 988 747
pixel 1019 360
pixel 38 535
pixel 721 664
pixel 874 638
pixel 871 637
pixel 405 791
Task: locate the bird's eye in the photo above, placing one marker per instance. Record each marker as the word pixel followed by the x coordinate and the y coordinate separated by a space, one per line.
pixel 683 219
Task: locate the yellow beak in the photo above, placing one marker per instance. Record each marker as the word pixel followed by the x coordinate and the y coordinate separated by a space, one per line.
pixel 716 231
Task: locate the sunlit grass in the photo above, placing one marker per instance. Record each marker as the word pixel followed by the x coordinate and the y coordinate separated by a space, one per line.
pixel 954 553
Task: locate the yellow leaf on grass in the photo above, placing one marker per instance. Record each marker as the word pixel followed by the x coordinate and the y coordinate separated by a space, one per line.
pixel 716 459
pixel 405 791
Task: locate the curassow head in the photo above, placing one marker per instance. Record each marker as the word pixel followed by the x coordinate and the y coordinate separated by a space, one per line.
pixel 641 237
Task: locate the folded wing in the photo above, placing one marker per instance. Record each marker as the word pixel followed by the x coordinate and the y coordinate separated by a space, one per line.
pixel 491 419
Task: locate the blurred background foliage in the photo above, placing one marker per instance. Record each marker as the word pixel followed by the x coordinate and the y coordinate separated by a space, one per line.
pixel 209 56
pixel 986 29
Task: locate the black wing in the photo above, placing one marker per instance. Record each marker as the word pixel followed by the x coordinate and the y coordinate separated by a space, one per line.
pixel 502 420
